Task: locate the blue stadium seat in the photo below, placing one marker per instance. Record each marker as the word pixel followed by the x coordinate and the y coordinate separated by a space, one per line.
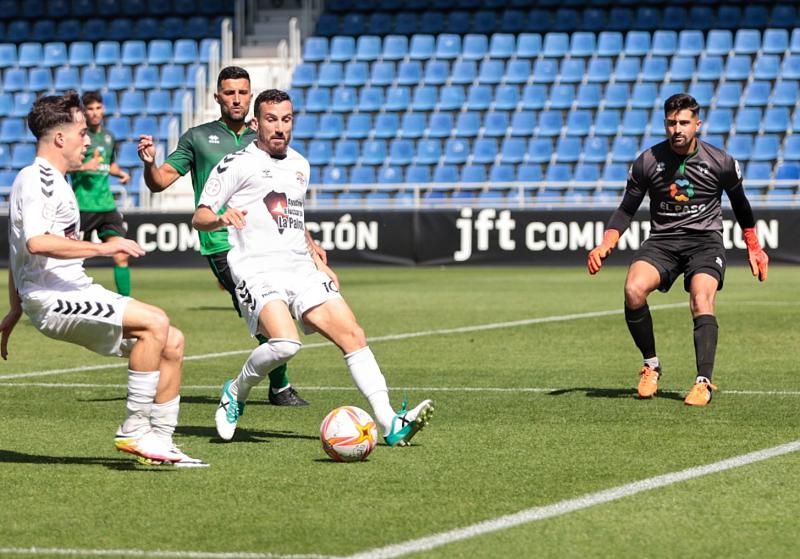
pixel 475 47
pixel 615 172
pixel 304 75
pixel 316 49
pixel 634 122
pixel 491 71
pixel 397 98
pixel 342 100
pixel 416 174
pixel 573 70
pixel 586 172
pixel 380 23
pixel 691 42
pixel 401 152
pixel 14 130
pixel 512 151
pixel 757 94
pixel 506 97
pixel 81 53
pixel 609 43
pixel 788 171
pixel 790 70
pixel 429 151
pixel 496 124
pixel 561 96
pixel 766 148
pixel 595 19
pixel 395 47
pixel 464 72
pixel 409 72
pixel 55 54
pixel 346 152
pixel 545 71
pixel 717 140
pixel 456 151
pixel 539 21
pixel 437 72
pixel 703 92
pixel 108 53
pixel 146 77
pixel 67 77
pixel 363 175
pixel 145 125
pixel 523 123
pixel 30 55
pixel 424 98
pixel 381 73
pixel 729 16
pixel 333 174
pixel 200 27
pixel 40 80
pixel 595 149
pixel 305 126
pixel 776 120
pixel 740 146
pixel 502 173
pixel 637 43
pixel 472 174
pixel 119 78
pixel 534 97
pixel 413 125
pixel 468 124
pixel 516 72
pixel 502 45
pixel 767 67
pixel 599 70
pixel 782 15
pixel 445 173
pixel 539 150
pixel 320 152
pixel 359 126
pixel 386 125
pixel 172 76
pixel 331 74
pixel 719 42
pixel 710 68
pixel 8 55
pixel 406 23
pixel 654 69
pixel 422 47
pixel 18 31
pixel 15 79
pixel 529 45
pixel 159 51
pixel 556 44
pixel 568 149
pixel 530 173
pixel 775 41
pixel 158 102
pixel 484 151
pixel 342 48
pixel 550 123
pixel 127 155
pixel 791 147
pixel 448 46
pixel 370 99
pixel 93 78
pixel 627 69
pixel 432 22
pixel 134 52
pixel 607 122
pixel 682 68
pixel 132 103
pixel 624 149
pixel 185 51
pixel 748 120
pixel 747 41
pixel 644 96
pixel 329 127
pixel 582 44
pixel 368 48
pixel 579 123
pixel 22 155
pixel 785 94
pixel 719 121
pixel 440 125
pixel 737 68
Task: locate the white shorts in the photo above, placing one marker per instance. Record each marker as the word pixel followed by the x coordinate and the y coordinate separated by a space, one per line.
pixel 301 290
pixel 91 318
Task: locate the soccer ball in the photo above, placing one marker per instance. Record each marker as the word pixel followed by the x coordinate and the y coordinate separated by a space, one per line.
pixel 348 434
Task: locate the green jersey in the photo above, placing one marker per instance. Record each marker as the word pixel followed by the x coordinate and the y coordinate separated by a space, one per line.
pixel 199 150
pixel 92 187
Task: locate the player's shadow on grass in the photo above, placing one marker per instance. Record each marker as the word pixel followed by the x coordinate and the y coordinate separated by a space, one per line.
pixel 128 464
pixel 592 392
pixel 243 435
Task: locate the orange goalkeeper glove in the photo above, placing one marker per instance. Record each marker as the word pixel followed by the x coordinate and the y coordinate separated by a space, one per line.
pixel 601 251
pixel 755 254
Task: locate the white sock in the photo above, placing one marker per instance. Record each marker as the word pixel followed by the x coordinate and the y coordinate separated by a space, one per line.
pixel 702 379
pixel 652 362
pixel 371 383
pixel 164 418
pixel 262 360
pixel 138 404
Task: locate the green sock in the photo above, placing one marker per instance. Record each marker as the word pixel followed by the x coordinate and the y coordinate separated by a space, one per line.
pixel 122 277
pixel 277 377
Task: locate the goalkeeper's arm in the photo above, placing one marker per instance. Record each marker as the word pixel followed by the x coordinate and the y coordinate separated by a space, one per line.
pixel 757 258
pixel 619 222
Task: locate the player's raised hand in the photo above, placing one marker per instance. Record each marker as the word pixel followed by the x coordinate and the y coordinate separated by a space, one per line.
pixel 6 326
pixel 124 177
pixel 115 245
pixel 234 217
pixel 94 163
pixel 146 149
pixel 758 259
pixel 599 253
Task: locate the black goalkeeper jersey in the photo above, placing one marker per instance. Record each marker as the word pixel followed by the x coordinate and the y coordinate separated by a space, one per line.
pixel 685 190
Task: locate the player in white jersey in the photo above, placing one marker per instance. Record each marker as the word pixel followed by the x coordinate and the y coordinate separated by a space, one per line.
pixel 279 277
pixel 48 282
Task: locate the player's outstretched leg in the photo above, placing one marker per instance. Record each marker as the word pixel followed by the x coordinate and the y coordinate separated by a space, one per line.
pixel 154 450
pixel 407 423
pixel 700 394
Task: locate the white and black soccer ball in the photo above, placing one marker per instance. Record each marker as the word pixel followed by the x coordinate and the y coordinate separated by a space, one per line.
pixel 348 434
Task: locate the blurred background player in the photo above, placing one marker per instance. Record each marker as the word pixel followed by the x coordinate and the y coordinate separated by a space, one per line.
pixel 260 191
pixel 198 151
pixel 685 178
pixel 48 282
pixel 91 185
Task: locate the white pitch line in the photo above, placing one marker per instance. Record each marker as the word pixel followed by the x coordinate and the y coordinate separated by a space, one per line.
pixel 49 551
pixel 520 389
pixel 570 505
pixel 388 337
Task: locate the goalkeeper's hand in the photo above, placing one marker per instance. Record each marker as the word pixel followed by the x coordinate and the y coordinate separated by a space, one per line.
pixel 759 261
pixel 601 251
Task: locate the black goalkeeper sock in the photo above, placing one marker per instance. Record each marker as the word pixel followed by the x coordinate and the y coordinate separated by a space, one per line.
pixel 640 325
pixel 705 343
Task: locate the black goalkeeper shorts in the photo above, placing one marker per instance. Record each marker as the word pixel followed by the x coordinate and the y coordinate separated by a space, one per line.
pixel 687 255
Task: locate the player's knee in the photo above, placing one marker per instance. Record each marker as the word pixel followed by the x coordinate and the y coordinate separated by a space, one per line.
pixel 158 326
pixel 284 349
pixel 701 303
pixel 635 295
pixel 174 348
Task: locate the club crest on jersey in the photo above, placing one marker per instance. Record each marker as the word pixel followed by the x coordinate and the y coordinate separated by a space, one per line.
pixel 660 167
pixel 213 139
pixel 301 179
pixel 681 190
pixel 265 174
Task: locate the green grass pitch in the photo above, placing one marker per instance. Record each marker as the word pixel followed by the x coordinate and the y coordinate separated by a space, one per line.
pixel 533 373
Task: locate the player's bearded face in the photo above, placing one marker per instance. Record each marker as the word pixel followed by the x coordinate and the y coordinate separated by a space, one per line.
pixel 234 98
pixel 94 114
pixel 682 127
pixel 274 127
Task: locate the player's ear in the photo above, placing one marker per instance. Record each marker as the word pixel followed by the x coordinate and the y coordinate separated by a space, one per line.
pixel 699 122
pixel 58 138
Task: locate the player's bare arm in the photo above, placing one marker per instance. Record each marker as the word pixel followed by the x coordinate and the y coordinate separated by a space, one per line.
pixel 12 317
pixel 157 178
pixel 54 246
pixel 315 248
pixel 204 219
pixel 117 171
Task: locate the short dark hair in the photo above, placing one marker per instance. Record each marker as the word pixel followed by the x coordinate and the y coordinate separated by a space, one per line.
pixel 272 96
pixel 51 111
pixel 680 102
pixel 91 97
pixel 232 73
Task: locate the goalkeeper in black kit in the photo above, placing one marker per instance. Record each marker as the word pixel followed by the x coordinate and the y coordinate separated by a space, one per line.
pixel 684 178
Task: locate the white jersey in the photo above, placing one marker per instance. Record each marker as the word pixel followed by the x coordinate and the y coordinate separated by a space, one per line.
pixel 272 191
pixel 42 202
